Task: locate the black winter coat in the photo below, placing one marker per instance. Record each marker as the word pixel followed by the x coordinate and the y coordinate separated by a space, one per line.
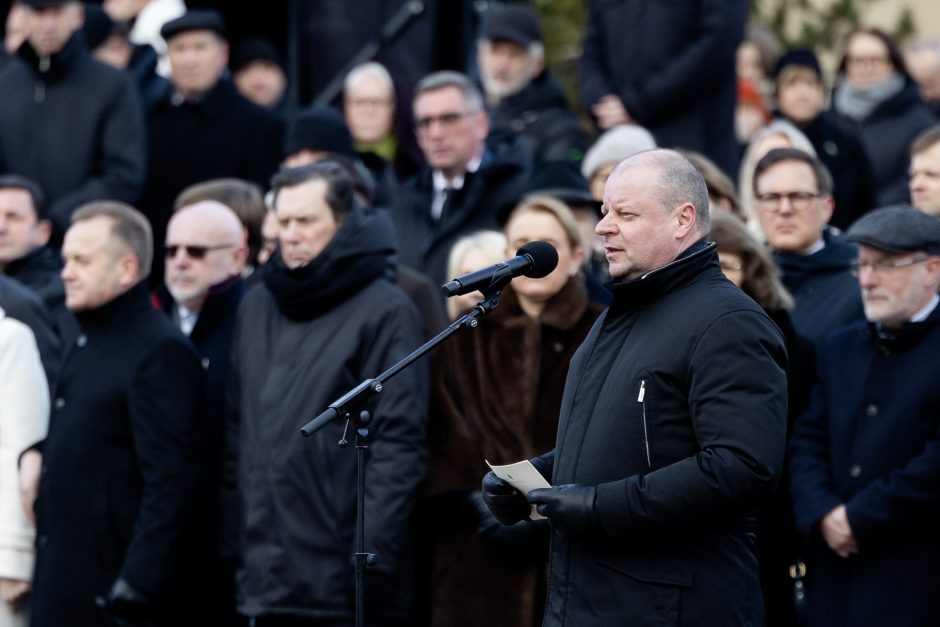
pixel 121 469
pixel 302 340
pixel 827 296
pixel 540 117
pixel 886 135
pixel 842 153
pixel 425 244
pixel 223 135
pixel 672 65
pixel 871 440
pixel 675 408
pixel 76 128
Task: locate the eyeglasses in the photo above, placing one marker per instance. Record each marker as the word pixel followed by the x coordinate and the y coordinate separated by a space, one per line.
pixel 193 252
pixel 798 201
pixel 446 120
pixel 882 265
pixel 370 103
pixel 867 62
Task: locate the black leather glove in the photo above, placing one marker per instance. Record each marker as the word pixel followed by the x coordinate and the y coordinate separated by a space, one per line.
pixel 569 508
pixel 125 606
pixel 506 503
pixel 525 542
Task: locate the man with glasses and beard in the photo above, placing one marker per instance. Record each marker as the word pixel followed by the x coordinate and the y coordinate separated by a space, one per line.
pixel 865 457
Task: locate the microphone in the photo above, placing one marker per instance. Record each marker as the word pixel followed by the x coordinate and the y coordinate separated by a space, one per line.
pixel 534 260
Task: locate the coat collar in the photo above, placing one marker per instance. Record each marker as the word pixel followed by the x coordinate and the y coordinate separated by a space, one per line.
pixel 700 257
pixel 58 63
pixel 122 308
pixel 562 311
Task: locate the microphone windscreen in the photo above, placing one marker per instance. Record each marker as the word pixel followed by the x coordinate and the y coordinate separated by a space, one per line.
pixel 544 258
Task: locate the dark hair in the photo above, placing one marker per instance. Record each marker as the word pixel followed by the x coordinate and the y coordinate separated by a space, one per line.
pixel 128 225
pixel 894 52
pixel 243 197
pixel 779 155
pixel 15 181
pixel 761 278
pixel 926 139
pixel 341 186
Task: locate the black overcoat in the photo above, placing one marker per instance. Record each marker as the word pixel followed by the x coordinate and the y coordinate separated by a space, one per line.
pixel 672 65
pixel 870 439
pixel 120 467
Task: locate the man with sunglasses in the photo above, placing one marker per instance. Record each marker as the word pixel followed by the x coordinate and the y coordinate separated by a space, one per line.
pixel 466 182
pixel 205 255
pixel 865 457
pixel 793 203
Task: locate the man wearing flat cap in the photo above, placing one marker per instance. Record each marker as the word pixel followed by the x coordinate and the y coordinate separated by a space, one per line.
pixel 203 128
pixel 865 456
pixel 522 96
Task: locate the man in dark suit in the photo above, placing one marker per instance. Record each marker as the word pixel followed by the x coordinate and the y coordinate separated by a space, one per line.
pixel 466 183
pixel 121 470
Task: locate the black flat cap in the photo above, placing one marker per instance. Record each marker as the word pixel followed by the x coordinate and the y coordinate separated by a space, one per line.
pixel 898 229
pixel 517 23
pixel 196 19
pixel 320 128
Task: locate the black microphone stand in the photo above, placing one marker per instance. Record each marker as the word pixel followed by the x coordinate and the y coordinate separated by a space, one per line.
pixel 347 406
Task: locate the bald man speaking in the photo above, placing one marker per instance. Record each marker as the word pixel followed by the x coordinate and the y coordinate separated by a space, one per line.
pixel 205 258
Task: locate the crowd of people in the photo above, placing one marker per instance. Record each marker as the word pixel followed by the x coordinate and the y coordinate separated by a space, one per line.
pixel 725 379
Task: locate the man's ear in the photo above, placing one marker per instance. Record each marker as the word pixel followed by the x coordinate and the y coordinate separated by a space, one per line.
pixel 129 269
pixel 42 233
pixel 686 219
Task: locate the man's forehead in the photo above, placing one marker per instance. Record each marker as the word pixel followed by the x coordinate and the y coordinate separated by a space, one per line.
pixel 928 156
pixel 444 97
pixel 88 235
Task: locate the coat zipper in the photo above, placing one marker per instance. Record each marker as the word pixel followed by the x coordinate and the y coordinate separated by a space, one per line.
pixel 646 439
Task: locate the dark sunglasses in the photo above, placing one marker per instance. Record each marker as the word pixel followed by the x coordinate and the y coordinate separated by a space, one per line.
pixel 193 252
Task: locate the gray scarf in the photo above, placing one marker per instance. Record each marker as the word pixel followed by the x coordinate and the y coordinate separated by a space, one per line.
pixel 859 102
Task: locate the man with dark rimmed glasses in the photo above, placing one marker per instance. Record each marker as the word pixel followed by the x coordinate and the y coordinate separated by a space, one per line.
pixel 793 203
pixel 865 456
pixel 466 181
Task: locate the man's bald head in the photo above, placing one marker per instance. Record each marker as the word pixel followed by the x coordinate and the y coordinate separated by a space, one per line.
pixel 205 246
pixel 673 180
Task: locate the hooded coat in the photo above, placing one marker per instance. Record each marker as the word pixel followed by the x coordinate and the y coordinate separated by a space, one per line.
pixel 302 340
pixel 675 409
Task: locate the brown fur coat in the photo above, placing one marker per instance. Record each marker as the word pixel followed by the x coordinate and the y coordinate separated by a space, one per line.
pixel 496 396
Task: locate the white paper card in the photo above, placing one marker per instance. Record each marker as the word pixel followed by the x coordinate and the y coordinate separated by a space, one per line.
pixel 524 477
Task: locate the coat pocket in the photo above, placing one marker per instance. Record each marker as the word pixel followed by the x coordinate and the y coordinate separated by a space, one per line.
pixel 648 588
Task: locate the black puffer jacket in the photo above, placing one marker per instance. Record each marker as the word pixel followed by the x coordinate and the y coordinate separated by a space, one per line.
pixel 540 117
pixel 302 340
pixel 675 408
